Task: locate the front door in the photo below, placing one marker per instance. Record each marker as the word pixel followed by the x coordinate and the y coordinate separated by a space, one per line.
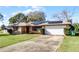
pixel 23 29
pixel 27 28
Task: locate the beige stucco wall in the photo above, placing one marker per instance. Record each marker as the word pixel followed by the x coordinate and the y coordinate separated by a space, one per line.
pixel 19 30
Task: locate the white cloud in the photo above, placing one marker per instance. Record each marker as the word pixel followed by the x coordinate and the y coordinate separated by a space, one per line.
pixel 14 13
pixel 24 12
pixel 37 8
pixel 32 9
pixel 27 11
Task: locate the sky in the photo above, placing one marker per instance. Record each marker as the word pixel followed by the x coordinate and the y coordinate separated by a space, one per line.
pixel 9 11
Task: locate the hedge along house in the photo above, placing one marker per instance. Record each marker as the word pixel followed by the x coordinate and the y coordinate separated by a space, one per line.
pixel 48 27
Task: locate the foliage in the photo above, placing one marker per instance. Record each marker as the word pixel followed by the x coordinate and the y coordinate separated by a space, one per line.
pixel 20 17
pixel 12 20
pixel 63 15
pixel 66 30
pixel 1 17
pixel 36 15
pixel 76 25
pixel 31 16
pixel 3 27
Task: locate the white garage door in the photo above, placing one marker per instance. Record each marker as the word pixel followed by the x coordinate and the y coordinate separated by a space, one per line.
pixel 54 31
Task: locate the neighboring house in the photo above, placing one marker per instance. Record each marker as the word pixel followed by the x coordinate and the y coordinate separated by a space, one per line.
pixel 48 27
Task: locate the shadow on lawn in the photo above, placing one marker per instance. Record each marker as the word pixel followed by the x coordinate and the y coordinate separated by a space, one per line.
pixel 4 34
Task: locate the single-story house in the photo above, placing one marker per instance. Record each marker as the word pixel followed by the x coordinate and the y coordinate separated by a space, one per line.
pixel 48 27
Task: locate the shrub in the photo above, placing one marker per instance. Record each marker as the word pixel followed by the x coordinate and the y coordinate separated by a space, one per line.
pixel 66 31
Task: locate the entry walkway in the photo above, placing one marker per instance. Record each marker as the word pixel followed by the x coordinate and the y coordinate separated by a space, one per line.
pixel 44 43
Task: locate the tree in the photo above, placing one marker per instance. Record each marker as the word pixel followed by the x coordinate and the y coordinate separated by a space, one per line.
pixel 32 16
pixel 1 18
pixel 64 15
pixel 76 25
pixel 12 20
pixel 36 16
pixel 20 17
pixel 3 27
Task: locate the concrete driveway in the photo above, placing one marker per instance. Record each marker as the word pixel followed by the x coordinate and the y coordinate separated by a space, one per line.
pixel 43 43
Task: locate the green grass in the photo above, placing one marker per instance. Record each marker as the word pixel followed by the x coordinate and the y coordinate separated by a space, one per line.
pixel 70 44
pixel 6 39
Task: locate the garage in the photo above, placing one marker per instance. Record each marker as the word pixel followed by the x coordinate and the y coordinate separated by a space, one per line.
pixel 54 30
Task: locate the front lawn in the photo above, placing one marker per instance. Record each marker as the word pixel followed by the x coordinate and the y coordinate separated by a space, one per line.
pixel 6 39
pixel 70 44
